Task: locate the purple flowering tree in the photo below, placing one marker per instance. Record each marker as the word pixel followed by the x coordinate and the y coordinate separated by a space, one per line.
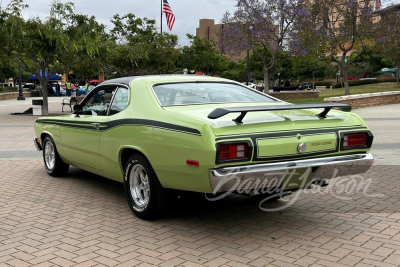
pixel 389 42
pixel 343 27
pixel 267 27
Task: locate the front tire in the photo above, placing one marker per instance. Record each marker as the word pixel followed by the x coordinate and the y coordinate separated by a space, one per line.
pixel 144 193
pixel 53 163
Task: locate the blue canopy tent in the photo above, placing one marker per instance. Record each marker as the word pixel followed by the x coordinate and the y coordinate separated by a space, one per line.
pixel 52 77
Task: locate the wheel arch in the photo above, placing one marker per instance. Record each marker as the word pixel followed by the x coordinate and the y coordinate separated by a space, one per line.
pixel 126 152
pixel 44 134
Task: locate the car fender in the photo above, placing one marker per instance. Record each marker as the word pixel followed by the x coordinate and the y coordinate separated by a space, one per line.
pixel 138 149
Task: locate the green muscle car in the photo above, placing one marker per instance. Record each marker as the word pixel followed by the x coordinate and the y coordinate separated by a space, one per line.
pixel 201 134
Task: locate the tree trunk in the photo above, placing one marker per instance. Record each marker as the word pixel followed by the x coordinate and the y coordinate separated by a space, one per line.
pixel 313 80
pixel 345 80
pixel 397 73
pixel 43 83
pixel 266 80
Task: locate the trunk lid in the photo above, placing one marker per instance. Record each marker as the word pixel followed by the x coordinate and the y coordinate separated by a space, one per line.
pixel 265 121
pixel 276 133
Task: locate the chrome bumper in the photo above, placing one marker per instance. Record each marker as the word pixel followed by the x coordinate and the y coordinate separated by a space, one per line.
pixel 37 144
pixel 272 174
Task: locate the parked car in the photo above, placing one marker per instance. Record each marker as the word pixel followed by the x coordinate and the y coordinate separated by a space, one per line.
pixel 149 134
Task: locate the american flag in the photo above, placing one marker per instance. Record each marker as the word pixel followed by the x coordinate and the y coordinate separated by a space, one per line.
pixel 168 13
pixel 378 4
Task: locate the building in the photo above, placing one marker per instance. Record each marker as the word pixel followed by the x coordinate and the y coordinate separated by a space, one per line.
pixel 210 31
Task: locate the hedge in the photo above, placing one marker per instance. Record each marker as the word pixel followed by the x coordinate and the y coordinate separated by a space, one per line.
pixel 363 82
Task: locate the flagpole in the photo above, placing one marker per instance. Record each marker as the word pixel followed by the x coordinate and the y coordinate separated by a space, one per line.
pixel 161 14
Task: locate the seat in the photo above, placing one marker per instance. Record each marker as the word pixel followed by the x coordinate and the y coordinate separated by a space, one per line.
pixel 69 102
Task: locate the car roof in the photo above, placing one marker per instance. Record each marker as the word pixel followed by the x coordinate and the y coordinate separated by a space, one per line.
pixel 163 78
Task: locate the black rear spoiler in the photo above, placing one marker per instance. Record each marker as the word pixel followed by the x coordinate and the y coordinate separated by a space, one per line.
pixel 220 112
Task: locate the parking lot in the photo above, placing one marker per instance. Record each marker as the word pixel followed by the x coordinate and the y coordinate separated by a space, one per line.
pixel 84 220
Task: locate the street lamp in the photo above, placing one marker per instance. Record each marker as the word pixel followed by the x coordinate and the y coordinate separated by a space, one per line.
pixel 248 56
pixel 21 95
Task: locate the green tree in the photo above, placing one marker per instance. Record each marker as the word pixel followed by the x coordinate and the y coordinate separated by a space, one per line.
pixel 53 45
pixel 375 56
pixel 139 49
pixel 359 69
pixel 203 55
pixel 8 69
pixel 389 42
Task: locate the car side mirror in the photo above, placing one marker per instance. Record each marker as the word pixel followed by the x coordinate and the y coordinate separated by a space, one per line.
pixel 78 109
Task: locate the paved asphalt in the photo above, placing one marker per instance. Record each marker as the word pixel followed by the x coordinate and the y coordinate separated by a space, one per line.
pixel 83 219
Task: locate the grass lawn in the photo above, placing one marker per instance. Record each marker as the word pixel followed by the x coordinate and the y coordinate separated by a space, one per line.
pixel 362 89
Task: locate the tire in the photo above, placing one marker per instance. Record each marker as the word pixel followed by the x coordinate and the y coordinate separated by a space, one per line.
pixel 54 165
pixel 143 191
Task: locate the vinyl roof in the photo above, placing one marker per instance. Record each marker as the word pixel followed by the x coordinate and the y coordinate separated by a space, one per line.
pixel 163 78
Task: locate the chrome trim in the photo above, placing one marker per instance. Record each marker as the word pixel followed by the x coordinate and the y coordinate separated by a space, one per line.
pixel 212 103
pixel 328 167
pixel 100 85
pixel 37 145
pixel 112 99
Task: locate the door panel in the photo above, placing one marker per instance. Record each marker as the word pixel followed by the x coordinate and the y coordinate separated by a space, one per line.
pixel 81 141
pixel 80 135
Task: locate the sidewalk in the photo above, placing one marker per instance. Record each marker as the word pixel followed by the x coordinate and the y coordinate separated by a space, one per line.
pixel 17 131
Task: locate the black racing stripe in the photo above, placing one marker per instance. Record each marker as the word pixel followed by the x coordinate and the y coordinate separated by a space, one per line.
pixel 221 136
pixel 54 122
pixel 288 133
pixel 117 123
pixel 158 124
pixel 254 138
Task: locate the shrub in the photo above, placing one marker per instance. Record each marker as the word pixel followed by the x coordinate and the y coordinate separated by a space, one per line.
pixel 363 82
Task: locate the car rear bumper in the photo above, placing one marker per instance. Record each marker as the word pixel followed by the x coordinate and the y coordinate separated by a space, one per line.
pixel 266 175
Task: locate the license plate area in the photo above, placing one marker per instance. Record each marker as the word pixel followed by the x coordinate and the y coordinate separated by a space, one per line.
pixel 282 146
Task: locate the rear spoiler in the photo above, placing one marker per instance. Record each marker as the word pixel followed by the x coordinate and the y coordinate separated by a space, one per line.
pixel 220 112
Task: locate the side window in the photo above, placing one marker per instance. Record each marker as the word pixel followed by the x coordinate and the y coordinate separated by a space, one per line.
pixel 120 101
pixel 98 104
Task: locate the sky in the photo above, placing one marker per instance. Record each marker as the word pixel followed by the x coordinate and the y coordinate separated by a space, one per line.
pixel 187 13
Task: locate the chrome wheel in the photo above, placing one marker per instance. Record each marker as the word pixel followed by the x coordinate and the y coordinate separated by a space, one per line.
pixel 139 186
pixel 49 155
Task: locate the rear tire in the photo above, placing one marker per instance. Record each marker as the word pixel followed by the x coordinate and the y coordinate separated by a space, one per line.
pixel 143 191
pixel 53 163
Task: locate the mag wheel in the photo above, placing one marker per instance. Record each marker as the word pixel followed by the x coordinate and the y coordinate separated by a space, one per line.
pixel 143 191
pixel 54 165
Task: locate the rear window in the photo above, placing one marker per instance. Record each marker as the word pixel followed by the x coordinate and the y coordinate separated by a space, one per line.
pixel 206 93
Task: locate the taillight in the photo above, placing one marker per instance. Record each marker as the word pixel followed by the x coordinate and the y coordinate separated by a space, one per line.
pixel 233 151
pixel 354 140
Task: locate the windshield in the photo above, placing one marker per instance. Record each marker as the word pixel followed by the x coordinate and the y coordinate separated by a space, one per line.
pixel 206 93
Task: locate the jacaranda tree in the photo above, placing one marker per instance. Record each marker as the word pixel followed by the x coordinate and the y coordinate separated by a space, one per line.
pixel 342 27
pixel 267 27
